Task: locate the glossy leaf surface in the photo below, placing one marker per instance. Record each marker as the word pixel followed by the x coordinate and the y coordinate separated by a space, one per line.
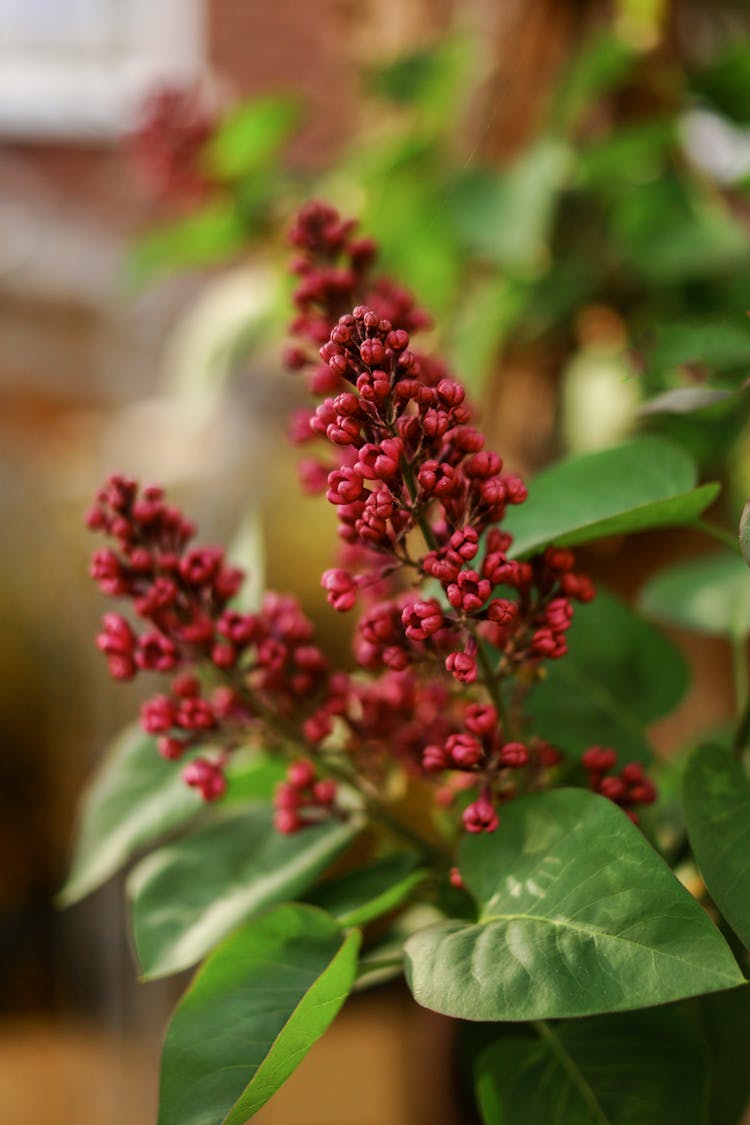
pixel 642 484
pixel 577 916
pixel 186 897
pixel 637 1068
pixel 253 1011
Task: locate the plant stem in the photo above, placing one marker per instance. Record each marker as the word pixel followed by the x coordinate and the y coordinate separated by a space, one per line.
pixel 741 695
pixel 720 534
pixel 552 1042
pixel 488 676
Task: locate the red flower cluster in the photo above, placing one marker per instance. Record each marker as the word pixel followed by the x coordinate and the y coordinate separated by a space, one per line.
pixel 453 628
pixel 631 787
pixel 253 662
pixel 169 142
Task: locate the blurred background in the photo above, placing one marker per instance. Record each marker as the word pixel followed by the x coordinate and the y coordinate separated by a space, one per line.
pixel 566 186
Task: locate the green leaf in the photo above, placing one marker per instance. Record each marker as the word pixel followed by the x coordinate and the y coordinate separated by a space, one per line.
pixel 725 1019
pixel 252 776
pixel 188 896
pixel 252 1013
pixel 578 916
pixel 745 532
pixel 600 66
pixel 722 346
pixel 642 484
pixel 725 79
pixel 639 1068
pixel 716 793
pixel 362 895
pixel 620 673
pixel 250 137
pixel 709 595
pixel 506 218
pixel 684 400
pixel 204 238
pixel 135 797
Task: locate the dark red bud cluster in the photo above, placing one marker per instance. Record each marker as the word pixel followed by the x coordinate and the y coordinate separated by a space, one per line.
pixel 168 145
pixel 302 799
pixel 627 789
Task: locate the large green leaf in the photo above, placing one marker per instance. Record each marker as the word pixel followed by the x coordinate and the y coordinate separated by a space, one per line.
pixel 642 484
pixel 578 916
pixel 716 793
pixel 620 674
pixel 188 896
pixel 709 595
pixel 250 1016
pixel 638 1068
pixel 359 896
pixel 135 797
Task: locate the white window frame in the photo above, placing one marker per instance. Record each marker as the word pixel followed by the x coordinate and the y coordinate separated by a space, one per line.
pixel 80 68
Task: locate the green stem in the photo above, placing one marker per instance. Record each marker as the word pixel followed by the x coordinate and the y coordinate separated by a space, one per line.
pixel 490 682
pixel 741 695
pixel 552 1042
pixel 720 534
pixel 366 967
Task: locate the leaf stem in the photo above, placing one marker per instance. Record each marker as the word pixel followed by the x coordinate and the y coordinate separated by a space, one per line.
pixel 552 1042
pixel 720 534
pixel 741 695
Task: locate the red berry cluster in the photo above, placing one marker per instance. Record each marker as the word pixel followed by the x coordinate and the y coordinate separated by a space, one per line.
pixel 252 662
pixel 168 145
pixel 453 629
pixel 628 788
pixel 300 800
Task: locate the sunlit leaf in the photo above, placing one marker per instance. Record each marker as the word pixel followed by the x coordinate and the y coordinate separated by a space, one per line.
pixel 577 916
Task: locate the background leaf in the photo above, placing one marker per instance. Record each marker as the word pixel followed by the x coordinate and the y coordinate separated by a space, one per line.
pixel 188 896
pixel 135 797
pixel 578 916
pixel 641 484
pixel 620 674
pixel 684 400
pixel 250 137
pixel 251 1014
pixel 716 794
pixel 638 1068
pixel 745 532
pixel 708 595
pixel 203 238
